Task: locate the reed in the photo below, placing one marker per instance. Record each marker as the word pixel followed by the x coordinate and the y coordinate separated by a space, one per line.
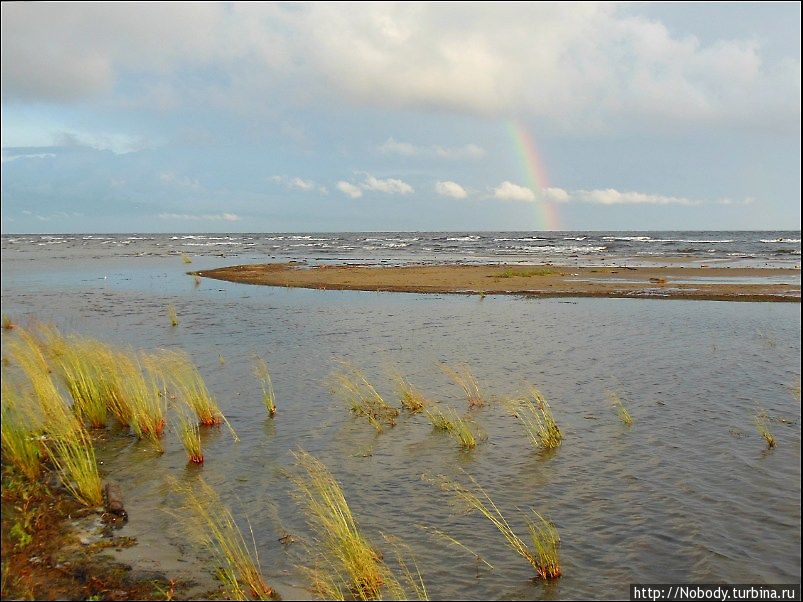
pixel 266 384
pixel 762 422
pixel 19 427
pixel 542 552
pixel 536 417
pixel 209 520
pixel 465 379
pixel 351 385
pixel 184 379
pixel 189 433
pixel 73 455
pixel 411 398
pixel 351 564
pixel 621 410
pixel 172 315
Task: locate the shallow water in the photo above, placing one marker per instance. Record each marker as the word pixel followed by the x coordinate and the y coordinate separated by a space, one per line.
pixel 688 493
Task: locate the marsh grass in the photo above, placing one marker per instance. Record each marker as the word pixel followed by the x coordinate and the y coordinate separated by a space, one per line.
pixel 73 455
pixel 352 387
pixel 465 379
pixel 464 431
pixel 115 366
pixel 411 398
pixel 439 419
pixel 266 384
pixel 347 566
pixel 8 323
pixel 535 415
pixel 524 273
pixel 81 369
pixel 542 550
pixel 189 433
pixel 186 258
pixel 621 410
pixel 172 315
pixel 183 378
pixel 20 427
pixel 211 522
pixel 762 423
pixel 146 398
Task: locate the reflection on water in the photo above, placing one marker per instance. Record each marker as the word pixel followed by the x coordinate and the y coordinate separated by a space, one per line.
pixel 677 497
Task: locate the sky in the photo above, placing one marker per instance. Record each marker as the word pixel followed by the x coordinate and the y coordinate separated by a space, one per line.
pixel 290 117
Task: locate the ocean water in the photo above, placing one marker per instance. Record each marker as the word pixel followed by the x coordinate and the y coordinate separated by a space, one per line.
pixel 688 493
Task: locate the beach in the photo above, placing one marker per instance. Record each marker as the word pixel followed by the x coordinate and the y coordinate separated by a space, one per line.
pixel 700 283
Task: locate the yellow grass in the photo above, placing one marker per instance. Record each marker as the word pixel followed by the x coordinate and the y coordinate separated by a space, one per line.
pixel 465 379
pixel 542 551
pixel 186 258
pixel 438 418
pixel 762 422
pixel 81 369
pixel 8 324
pixel 351 386
pixel 411 398
pixel 73 455
pixel 20 426
pixel 189 433
pixel 266 383
pixel 536 417
pixel 172 315
pixel 348 565
pixel 184 380
pixel 458 428
pixel 210 521
pixel 146 399
pixel 621 410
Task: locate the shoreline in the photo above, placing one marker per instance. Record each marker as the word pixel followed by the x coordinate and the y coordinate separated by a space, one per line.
pixel 692 283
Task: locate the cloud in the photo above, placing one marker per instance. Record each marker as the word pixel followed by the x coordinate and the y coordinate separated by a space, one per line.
pixel 388 186
pixel 349 189
pixel 16 157
pixel 407 149
pixel 225 217
pixel 508 191
pixel 574 63
pixel 173 179
pixel 450 189
pixel 611 196
pixel 300 184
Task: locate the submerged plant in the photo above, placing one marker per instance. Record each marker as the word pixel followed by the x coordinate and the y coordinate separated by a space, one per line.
pixel 536 417
pixel 266 383
pixel 542 551
pixel 762 422
pixel 172 315
pixel 351 385
pixel 353 568
pixel 621 410
pixel 465 379
pixel 210 521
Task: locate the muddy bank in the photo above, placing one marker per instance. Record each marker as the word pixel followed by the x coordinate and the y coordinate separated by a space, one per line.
pixel 702 283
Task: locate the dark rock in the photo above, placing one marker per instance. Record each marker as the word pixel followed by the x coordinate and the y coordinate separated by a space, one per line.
pixel 113 498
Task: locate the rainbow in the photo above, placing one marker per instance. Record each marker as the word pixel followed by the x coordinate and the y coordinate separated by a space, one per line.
pixel 535 174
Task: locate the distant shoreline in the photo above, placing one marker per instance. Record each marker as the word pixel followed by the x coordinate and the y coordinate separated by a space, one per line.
pixel 693 283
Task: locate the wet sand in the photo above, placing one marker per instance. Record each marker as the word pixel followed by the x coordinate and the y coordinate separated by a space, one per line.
pixel 701 283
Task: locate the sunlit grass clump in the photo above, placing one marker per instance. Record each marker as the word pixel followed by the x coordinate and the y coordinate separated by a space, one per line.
pixel 351 385
pixel 83 370
pixel 172 315
pixel 20 427
pixel 411 398
pixel 440 420
pixel 542 549
pixel 186 258
pixel 189 433
pixel 465 379
pixel 186 382
pixel 8 323
pixel 462 430
pixel 146 399
pixel 621 409
pixel 266 383
pixel 536 417
pixel 350 567
pixel 524 272
pixel 211 522
pixel 762 422
pixel 73 455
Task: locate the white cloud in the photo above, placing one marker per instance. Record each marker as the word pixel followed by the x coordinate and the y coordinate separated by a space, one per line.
pixel 225 217
pixel 5 158
pixel 349 189
pixel 300 184
pixel 611 196
pixel 508 191
pixel 451 189
pixel 171 178
pixel 388 186
pixel 407 149
pixel 574 63
pixel 557 195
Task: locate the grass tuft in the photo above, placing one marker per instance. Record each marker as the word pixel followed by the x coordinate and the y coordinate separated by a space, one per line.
pixel 351 386
pixel 8 323
pixel 266 383
pixel 186 258
pixel 209 520
pixel 172 315
pixel 465 379
pixel 411 398
pixel 762 422
pixel 621 410
pixel 185 382
pixel 524 273
pixel 73 455
pixel 542 551
pixel 536 417
pixel 458 428
pixel 189 433
pixel 20 425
